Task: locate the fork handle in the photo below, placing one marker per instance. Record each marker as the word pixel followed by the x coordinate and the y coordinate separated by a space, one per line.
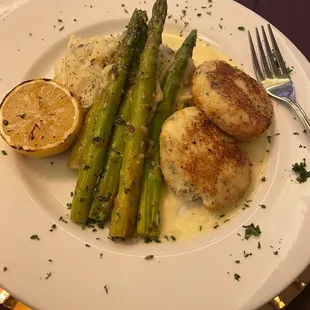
pixel 301 114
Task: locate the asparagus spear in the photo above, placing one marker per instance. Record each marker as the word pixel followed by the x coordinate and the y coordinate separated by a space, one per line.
pixel 107 188
pixel 123 220
pixel 100 120
pixel 76 158
pixel 151 185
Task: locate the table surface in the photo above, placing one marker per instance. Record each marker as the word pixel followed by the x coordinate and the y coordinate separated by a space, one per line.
pixel 291 17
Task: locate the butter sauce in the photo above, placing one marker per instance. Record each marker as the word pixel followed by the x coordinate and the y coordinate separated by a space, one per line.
pixel 183 219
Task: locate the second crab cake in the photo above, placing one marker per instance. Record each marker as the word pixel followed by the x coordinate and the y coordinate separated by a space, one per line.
pixel 233 100
pixel 199 160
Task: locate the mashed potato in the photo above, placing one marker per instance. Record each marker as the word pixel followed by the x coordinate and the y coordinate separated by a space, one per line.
pixel 85 67
pixel 81 68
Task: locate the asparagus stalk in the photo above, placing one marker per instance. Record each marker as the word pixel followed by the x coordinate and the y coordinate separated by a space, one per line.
pixel 100 121
pixel 151 184
pixel 108 185
pixel 123 220
pixel 76 158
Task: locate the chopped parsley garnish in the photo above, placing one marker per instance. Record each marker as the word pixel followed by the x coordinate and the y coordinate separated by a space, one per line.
pixel 300 169
pixel 53 227
pixel 269 139
pixel 200 228
pixel 173 238
pixel 35 237
pixel 241 28
pixel 62 220
pixel 222 215
pixel 149 257
pixel 263 179
pixel 245 206
pixel 246 254
pixel 216 226
pixel 147 240
pixel 69 205
pixel 263 206
pixel 4 153
pixel 106 289
pixel 289 70
pixel 23 115
pixel 275 252
pixel 5 269
pixel 236 276
pixel 48 275
pixel 251 230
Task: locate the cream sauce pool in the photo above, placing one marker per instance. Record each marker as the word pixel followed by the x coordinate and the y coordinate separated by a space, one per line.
pixel 184 219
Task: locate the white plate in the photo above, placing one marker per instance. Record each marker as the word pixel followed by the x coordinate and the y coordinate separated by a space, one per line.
pixel 188 274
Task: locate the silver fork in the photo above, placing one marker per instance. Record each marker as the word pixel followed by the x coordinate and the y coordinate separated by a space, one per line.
pixel 273 75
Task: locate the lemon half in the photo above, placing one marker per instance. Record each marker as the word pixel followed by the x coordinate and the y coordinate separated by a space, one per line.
pixel 40 118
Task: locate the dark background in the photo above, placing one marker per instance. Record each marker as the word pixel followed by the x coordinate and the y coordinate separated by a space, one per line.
pixel 292 17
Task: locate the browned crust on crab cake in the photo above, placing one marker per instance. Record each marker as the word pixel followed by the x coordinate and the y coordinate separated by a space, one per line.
pixel 233 100
pixel 199 160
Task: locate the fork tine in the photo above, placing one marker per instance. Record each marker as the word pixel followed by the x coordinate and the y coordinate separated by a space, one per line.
pixel 270 57
pixel 263 56
pixel 257 70
pixel 277 52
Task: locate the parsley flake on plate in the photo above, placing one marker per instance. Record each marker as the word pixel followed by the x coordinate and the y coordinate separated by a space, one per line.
pixel 35 237
pixel 251 230
pixel 300 169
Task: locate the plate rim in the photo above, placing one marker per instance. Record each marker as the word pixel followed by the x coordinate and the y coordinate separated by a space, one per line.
pixel 300 56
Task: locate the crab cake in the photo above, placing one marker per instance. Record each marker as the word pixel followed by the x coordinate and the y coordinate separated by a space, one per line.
pixel 233 100
pixel 199 160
